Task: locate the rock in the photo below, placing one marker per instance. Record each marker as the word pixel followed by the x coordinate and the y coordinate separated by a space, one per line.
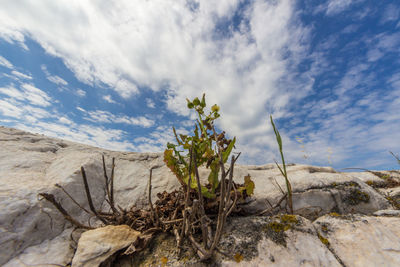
pixel 362 240
pixel 56 251
pixel 98 245
pixel 32 164
pixel 387 213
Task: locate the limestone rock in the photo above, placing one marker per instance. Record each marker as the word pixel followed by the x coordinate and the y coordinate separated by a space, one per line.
pixel 96 246
pixel 56 251
pixel 362 240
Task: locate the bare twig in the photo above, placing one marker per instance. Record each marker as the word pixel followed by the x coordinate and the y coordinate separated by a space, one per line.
pixel 112 184
pixel 154 215
pixel 73 200
pixel 89 197
pixel 107 181
pixel 185 224
pixel 221 209
pixel 273 207
pixel 202 213
pixel 52 200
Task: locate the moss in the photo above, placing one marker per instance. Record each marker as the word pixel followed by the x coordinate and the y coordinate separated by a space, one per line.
pixel 334 214
pixel 356 196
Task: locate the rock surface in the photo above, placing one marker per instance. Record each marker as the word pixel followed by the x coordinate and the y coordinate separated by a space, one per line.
pixel 98 245
pixel 31 228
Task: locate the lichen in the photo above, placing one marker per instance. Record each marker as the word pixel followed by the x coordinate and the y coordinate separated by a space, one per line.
pixel 334 214
pixel 370 183
pixel 356 196
pixel 395 202
pixel 276 229
pixel 324 240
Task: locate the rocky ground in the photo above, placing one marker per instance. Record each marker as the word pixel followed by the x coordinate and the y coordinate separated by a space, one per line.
pixel 342 219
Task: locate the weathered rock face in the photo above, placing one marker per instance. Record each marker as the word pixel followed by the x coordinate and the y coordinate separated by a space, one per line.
pixel 33 232
pixel 98 245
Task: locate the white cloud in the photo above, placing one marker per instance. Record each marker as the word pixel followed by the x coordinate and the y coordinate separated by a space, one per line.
pixel 107 117
pixel 80 93
pixel 92 135
pixel 150 103
pixel 156 141
pixel 13 108
pixel 391 13
pixel 53 78
pixel 65 120
pixel 81 109
pixel 336 6
pixel 57 80
pixel 29 93
pixel 4 62
pixel 10 34
pixel 171 46
pixel 21 75
pixel 35 95
pixel 108 99
pixel 12 92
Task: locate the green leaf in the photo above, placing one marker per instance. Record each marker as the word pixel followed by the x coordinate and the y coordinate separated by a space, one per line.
pixel 170 146
pixel 227 152
pixel 206 193
pixel 203 101
pixel 280 169
pixel 213 176
pixel 249 184
pixel 278 136
pixel 196 101
pixel 176 137
pixel 189 104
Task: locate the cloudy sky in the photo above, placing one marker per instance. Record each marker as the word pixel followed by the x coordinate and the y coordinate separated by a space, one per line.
pixel 115 74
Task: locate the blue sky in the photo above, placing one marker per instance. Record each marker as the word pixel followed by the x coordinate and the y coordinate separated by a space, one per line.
pixel 116 74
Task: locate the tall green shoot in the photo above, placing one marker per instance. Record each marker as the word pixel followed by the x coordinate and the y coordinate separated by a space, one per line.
pixel 283 171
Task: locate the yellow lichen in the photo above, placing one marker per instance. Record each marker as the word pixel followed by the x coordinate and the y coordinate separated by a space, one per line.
pixel 164 261
pixel 238 257
pixel 370 183
pixel 323 240
pixel 287 218
pixel 285 223
pixel 334 214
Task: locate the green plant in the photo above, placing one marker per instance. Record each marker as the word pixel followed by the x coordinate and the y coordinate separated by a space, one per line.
pixel 210 149
pixel 283 171
pixel 203 150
